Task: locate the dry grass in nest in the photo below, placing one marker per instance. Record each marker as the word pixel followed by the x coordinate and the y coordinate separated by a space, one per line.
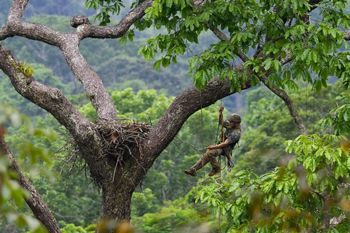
pixel 119 141
pixel 122 140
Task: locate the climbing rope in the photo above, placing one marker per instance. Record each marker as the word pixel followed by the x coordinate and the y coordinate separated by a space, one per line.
pixel 223 139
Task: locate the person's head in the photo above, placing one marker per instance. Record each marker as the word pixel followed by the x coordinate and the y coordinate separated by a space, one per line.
pixel 235 121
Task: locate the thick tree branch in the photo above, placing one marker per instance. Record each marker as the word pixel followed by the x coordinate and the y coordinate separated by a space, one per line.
pixel 50 99
pixel 35 202
pixel 69 44
pixel 31 31
pixel 53 101
pixel 16 10
pixel 185 104
pixel 92 83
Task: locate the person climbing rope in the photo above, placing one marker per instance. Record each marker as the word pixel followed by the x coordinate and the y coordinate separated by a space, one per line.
pixel 232 135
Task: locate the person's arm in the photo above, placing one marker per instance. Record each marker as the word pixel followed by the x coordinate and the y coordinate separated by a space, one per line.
pixel 221 118
pixel 219 146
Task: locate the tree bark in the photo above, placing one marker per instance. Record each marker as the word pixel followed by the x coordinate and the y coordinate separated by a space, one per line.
pixel 116 202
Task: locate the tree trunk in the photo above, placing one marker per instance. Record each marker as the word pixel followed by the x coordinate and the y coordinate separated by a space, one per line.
pixel 117 192
pixel 115 204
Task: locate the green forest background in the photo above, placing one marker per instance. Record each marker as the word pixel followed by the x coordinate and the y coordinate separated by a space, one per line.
pixel 166 200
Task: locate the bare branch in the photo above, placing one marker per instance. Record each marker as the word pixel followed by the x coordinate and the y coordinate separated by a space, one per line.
pixel 93 85
pixel 38 206
pixel 16 10
pixel 31 31
pixel 94 31
pixel 16 27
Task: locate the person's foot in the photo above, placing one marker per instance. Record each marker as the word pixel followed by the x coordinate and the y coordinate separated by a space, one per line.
pixel 191 172
pixel 214 171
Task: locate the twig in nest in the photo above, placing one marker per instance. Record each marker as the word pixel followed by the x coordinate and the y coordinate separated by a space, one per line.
pixel 123 139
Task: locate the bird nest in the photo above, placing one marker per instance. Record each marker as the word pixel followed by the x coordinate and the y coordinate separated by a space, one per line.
pixel 120 142
pixel 123 140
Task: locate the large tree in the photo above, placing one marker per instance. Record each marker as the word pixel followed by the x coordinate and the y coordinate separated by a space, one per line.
pixel 273 42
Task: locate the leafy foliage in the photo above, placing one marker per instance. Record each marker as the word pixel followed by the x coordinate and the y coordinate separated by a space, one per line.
pixel 339 116
pixel 310 193
pixel 301 197
pixel 267 123
pixel 272 33
pixel 177 216
pixel 71 228
pixel 105 9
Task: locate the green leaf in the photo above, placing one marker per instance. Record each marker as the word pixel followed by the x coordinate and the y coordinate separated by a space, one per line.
pixel 165 62
pixel 277 65
pixel 169 3
pixel 268 64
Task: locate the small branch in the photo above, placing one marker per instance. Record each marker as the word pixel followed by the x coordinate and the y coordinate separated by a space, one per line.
pixel 326 208
pixel 286 59
pixel 219 34
pixel 50 99
pixel 288 101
